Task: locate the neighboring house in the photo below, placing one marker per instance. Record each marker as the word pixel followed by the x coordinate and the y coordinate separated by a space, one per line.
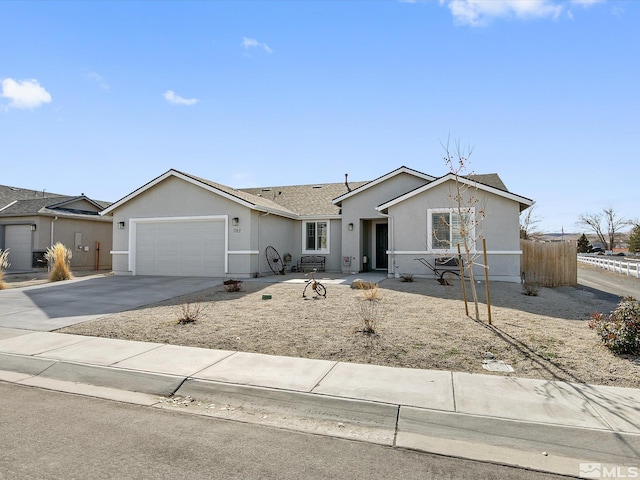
pixel 179 224
pixel 31 221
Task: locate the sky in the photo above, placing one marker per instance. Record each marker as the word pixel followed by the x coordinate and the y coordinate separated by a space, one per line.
pixel 101 97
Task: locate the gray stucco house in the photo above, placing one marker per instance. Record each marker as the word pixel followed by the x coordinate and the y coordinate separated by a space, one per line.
pixel 32 220
pixel 180 224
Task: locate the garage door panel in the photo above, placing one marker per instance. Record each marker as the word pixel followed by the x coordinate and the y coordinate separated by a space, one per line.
pixel 180 248
pixel 17 239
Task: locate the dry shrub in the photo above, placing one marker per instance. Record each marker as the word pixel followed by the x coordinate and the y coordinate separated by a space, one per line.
pixel 372 292
pixel 190 312
pixel 370 310
pixel 58 257
pixel 362 285
pixel 232 285
pixel 4 264
pixel 530 289
pixel 406 277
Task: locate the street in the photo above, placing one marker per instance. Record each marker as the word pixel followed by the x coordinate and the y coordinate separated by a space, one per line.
pixel 52 435
pixel 609 282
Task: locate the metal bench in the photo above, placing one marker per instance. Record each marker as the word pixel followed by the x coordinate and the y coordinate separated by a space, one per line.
pixel 309 262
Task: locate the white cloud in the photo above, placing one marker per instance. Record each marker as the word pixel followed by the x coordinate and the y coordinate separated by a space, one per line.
pixel 99 79
pixel 249 43
pixel 171 97
pixel 24 93
pixel 481 12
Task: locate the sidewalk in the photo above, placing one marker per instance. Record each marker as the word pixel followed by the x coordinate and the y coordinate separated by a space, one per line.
pixel 537 424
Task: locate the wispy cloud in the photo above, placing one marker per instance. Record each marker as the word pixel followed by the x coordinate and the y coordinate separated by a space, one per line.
pixel 24 93
pixel 99 79
pixel 482 12
pixel 251 43
pixel 171 97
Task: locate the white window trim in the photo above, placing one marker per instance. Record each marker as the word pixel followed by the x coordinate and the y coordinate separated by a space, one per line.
pixel 471 211
pixel 304 237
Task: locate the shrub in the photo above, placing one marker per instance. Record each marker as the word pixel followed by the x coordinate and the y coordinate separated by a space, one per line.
pixel 4 264
pixel 370 310
pixel 190 312
pixel 620 330
pixel 58 257
pixel 406 277
pixel 232 285
pixel 530 289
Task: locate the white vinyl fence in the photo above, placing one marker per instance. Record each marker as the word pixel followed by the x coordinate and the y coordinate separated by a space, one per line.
pixel 629 267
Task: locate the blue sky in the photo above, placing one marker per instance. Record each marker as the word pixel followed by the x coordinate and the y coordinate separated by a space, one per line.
pixel 101 97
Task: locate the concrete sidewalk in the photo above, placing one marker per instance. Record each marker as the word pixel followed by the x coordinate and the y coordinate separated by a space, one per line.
pixel 544 425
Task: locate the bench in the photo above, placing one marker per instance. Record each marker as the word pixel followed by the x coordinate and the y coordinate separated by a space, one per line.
pixel 309 262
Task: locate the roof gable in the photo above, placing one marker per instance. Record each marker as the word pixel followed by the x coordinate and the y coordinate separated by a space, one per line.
pixel 470 181
pixel 250 201
pixel 372 183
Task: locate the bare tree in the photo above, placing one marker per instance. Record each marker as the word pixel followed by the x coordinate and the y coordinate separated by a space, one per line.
pixel 528 222
pixel 469 213
pixel 606 234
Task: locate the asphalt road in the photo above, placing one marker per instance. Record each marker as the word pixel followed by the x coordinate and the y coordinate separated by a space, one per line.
pixel 52 435
pixel 606 282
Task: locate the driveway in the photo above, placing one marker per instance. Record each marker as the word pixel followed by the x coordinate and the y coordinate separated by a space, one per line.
pixel 56 305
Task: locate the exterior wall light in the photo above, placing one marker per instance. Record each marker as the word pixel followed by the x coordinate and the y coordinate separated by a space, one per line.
pixel 33 227
pixel 235 221
pixel 121 225
pixel 350 226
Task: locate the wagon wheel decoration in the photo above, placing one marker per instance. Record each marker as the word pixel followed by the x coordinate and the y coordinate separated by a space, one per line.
pixel 274 261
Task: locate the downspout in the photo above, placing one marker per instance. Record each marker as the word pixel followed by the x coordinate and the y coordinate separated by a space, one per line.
pixel 391 244
pixel 260 256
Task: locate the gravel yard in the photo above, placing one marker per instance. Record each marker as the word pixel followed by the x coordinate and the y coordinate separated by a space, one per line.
pixel 418 325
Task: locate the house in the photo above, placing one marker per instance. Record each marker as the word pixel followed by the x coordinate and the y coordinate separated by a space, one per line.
pixel 31 221
pixel 180 224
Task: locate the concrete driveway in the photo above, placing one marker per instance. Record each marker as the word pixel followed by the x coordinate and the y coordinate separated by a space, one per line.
pixel 56 305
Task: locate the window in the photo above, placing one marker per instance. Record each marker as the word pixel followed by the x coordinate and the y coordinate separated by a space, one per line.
pixel 315 237
pixel 445 228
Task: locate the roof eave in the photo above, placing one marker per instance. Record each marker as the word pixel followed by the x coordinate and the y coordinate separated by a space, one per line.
pixel 452 177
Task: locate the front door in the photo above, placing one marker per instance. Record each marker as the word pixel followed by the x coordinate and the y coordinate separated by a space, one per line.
pixel 382 244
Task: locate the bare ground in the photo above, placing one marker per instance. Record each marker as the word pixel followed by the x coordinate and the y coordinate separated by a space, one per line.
pixel 419 325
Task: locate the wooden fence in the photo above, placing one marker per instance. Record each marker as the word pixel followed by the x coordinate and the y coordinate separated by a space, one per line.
pixel 551 264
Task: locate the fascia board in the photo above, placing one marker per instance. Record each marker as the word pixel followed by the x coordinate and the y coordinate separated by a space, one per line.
pixel 452 177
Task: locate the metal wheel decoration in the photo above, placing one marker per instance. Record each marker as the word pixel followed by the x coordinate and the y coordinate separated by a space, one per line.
pixel 274 261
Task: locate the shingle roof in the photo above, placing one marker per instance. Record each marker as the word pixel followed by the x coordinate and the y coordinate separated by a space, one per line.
pixel 306 200
pixel 490 179
pixel 53 204
pixel 241 194
pixel 9 194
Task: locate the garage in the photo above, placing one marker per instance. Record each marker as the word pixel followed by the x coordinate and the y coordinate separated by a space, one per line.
pixel 17 239
pixel 182 247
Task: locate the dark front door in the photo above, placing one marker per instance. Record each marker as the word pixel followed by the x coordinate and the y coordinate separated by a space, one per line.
pixel 382 242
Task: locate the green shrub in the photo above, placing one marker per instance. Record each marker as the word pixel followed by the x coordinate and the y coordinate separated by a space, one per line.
pixel 620 330
pixel 58 257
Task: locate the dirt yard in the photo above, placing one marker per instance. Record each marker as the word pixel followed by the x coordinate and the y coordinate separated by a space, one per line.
pixel 418 325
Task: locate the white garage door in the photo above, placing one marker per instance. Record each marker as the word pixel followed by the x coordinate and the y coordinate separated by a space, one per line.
pixel 17 239
pixel 180 248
